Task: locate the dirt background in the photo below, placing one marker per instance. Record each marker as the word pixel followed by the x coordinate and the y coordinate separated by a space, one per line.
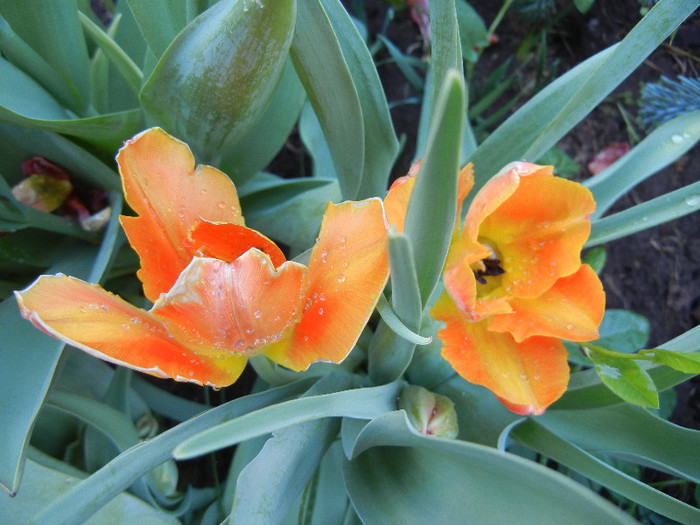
pixel 656 272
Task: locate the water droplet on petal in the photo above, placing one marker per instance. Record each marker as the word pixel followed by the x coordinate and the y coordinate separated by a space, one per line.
pixel 221 205
pixel 341 278
pixel 257 314
pixel 320 311
pixel 203 191
pixel 569 326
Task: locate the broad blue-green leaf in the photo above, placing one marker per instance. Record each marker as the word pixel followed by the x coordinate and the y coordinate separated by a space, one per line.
pixel 19 143
pixel 311 135
pixel 268 134
pixel 270 484
pixel 536 436
pixel 42 485
pixel 322 69
pixel 663 146
pixel 360 403
pixel 631 433
pixel 87 497
pixel 26 103
pixel 623 331
pixel 431 213
pixel 159 21
pixel 548 116
pixel 656 211
pixel 288 210
pixel 473 34
pixel 221 71
pixel 381 145
pixel 399 476
pixel 52 28
pixel 22 55
pixel 29 359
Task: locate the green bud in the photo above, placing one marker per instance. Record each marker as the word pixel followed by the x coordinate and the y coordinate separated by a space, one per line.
pixel 431 414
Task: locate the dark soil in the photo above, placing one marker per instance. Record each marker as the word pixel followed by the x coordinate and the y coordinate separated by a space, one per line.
pixel 655 273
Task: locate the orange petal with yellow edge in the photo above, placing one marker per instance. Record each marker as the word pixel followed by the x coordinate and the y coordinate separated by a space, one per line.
pixel 232 307
pixel 539 232
pixel 105 326
pixel 170 196
pixel 571 309
pixel 227 242
pixel 527 376
pixel 348 269
pixel 398 197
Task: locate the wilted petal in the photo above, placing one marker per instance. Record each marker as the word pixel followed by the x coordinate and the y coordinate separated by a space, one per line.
pixel 105 326
pixel 348 269
pixel 527 376
pixel 170 196
pixel 539 232
pixel 571 309
pixel 232 307
pixel 227 242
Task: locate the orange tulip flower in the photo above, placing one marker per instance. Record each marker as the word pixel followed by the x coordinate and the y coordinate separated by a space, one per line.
pixel 222 292
pixel 514 283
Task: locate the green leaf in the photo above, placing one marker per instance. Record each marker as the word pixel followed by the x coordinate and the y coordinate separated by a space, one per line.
pixel 87 497
pixel 221 71
pixel 398 476
pixel 623 331
pixel 18 143
pixel 539 124
pixel 381 145
pixel 268 134
pixel 126 67
pixel 533 434
pixel 362 403
pixel 659 149
pixel 583 5
pixel 288 210
pixel 473 34
pixel 643 216
pixel 159 21
pixel 29 359
pixel 396 325
pixel 269 485
pixel 585 389
pixel 688 363
pixel 431 213
pixel 625 377
pixel 338 108
pixel 564 165
pixel 42 485
pixel 53 30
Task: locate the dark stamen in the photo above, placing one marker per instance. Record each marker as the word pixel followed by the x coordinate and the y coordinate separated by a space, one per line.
pixel 492 267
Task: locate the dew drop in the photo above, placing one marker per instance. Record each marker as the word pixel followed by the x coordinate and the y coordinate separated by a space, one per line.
pixel 257 314
pixel 693 200
pixel 83 309
pixel 203 191
pixel 569 326
pixel 324 256
pixel 341 278
pixel 222 205
pixel 306 338
pixel 105 308
pixel 677 139
pixel 134 320
pixel 249 331
pixel 322 296
pixel 320 311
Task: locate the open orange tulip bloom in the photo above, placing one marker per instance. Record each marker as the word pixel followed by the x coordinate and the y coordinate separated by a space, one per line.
pixel 222 292
pixel 515 286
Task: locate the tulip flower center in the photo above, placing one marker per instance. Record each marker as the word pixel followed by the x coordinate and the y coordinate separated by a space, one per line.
pixel 486 269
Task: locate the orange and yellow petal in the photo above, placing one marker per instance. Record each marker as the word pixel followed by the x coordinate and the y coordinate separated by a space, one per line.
pixel 539 232
pixel 527 376
pixel 105 326
pixel 571 309
pixel 169 195
pixel 232 307
pixel 348 269
pixel 398 197
pixel 227 242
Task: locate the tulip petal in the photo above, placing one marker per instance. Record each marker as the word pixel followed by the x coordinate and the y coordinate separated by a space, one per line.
pixel 170 196
pixel 527 376
pixel 232 307
pixel 398 197
pixel 105 326
pixel 227 242
pixel 348 269
pixel 540 231
pixel 571 309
